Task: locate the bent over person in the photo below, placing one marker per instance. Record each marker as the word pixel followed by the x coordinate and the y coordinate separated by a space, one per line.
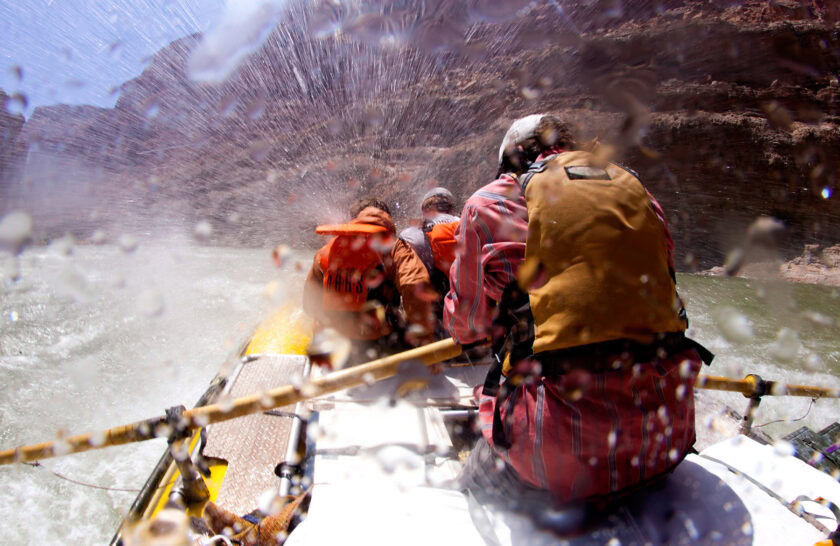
pixel 369 286
pixel 593 391
pixel 434 242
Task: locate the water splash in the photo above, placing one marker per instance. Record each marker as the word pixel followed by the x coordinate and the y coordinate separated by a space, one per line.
pixel 244 27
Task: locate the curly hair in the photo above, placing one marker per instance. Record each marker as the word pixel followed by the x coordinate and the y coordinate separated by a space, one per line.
pixel 365 202
pixel 438 203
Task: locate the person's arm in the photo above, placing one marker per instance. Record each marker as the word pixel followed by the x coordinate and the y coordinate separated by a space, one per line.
pixel 313 290
pixel 669 241
pixel 466 313
pixel 414 286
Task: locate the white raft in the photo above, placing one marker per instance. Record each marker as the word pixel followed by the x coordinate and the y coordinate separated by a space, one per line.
pixel 371 487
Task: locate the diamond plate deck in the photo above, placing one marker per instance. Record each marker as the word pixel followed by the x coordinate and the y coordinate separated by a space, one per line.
pixel 253 445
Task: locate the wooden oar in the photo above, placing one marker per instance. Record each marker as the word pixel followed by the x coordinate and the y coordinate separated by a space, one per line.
pixel 254 403
pixel 753 385
pixel 333 382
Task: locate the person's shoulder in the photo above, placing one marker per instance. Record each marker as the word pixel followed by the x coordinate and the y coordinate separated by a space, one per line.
pixel 412 235
pixel 409 231
pixel 503 188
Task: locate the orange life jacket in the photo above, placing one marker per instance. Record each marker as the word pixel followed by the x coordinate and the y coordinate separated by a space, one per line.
pixel 442 240
pixel 350 264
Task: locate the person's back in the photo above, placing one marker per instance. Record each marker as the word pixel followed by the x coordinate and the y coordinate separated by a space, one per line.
pixel 360 277
pixel 573 257
pixel 434 241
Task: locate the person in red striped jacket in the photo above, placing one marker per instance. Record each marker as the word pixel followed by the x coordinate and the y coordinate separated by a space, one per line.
pixel 566 265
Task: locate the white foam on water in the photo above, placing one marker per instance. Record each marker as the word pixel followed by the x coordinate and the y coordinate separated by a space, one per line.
pixel 759 303
pixel 82 366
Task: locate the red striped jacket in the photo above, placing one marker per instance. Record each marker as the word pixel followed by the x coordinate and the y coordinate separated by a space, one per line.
pixel 578 435
pixel 583 435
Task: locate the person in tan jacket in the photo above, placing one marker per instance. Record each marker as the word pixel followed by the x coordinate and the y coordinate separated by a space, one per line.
pixel 369 285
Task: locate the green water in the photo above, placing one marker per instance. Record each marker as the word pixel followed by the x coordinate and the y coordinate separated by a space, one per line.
pixel 769 307
pixel 810 311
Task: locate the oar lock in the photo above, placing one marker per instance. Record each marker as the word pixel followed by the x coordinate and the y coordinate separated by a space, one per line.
pixel 760 386
pixel 179 426
pixel 193 489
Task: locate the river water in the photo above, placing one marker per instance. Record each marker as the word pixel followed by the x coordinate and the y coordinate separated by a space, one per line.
pixel 95 336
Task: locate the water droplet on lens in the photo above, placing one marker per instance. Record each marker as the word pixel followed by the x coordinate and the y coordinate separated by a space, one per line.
pixel 98 237
pixel 128 243
pixel 324 21
pixel 814 362
pixel 16 104
pixel 243 28
pixel 496 11
pixel 226 404
pixel 787 345
pixel 255 108
pixel 783 448
pixel 163 431
pixel 334 128
pixel 395 457
pixel 61 447
pixel 227 104
pixel 151 107
pixel 280 255
pixel 818 318
pixel 180 451
pixel 150 303
pixel 97 439
pixel 62 246
pixel 747 528
pixel 203 230
pixel 266 400
pixel 308 390
pixel 329 348
pixel 270 502
pixel 15 231
pixel 734 326
pixel 259 150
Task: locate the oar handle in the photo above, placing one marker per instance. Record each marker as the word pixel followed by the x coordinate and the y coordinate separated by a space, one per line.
pixel 254 403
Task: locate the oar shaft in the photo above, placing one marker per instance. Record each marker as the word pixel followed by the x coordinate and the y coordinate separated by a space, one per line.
pixel 333 382
pixel 216 413
pixel 748 385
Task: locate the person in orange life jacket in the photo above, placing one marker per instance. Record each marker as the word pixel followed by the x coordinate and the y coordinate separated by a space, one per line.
pixel 434 243
pixel 567 265
pixel 359 279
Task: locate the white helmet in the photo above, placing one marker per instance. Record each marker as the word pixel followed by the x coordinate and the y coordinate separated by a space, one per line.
pixel 520 131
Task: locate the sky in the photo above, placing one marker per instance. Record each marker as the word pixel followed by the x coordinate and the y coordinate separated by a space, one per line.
pixel 79 51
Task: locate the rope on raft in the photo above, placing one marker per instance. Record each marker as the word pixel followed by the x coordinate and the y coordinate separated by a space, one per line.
pixel 811 405
pixel 37 464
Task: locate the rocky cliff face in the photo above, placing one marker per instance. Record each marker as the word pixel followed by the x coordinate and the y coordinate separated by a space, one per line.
pixel 10 127
pixel 728 110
